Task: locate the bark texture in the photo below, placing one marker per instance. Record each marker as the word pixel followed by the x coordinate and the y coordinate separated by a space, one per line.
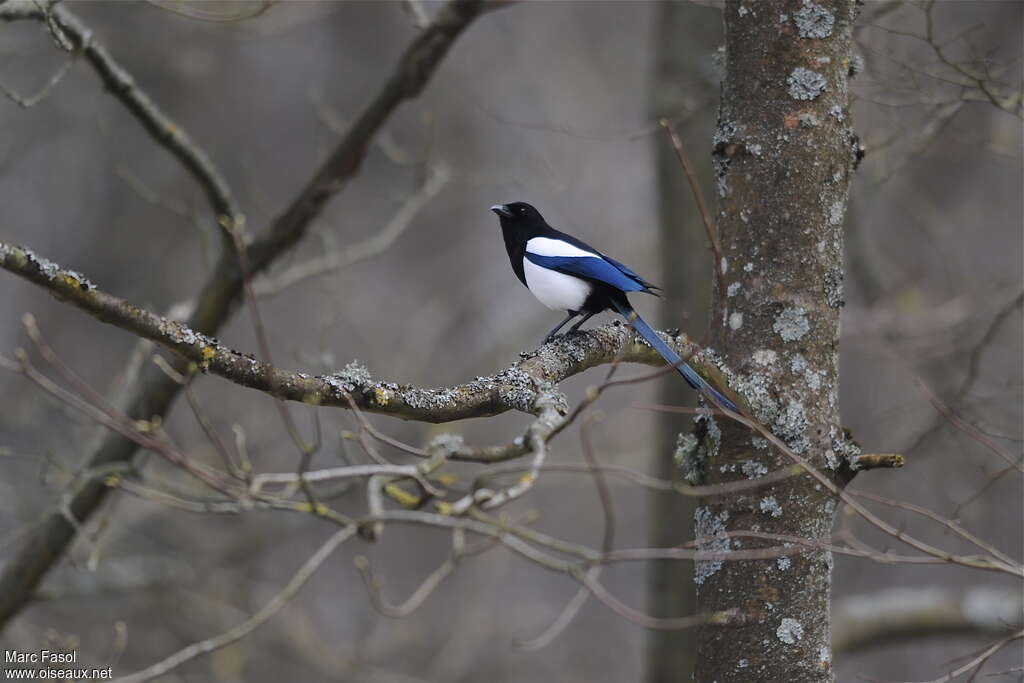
pixel 783 157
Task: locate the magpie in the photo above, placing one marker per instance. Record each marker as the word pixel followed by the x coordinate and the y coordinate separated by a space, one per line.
pixel 567 274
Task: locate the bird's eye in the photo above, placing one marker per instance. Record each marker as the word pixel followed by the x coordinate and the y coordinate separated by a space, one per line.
pixel 522 210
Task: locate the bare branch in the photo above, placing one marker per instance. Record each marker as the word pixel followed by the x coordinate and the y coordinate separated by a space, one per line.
pixel 967 428
pixel 489 529
pixel 705 215
pixel 425 589
pixel 437 178
pixel 983 343
pixel 948 523
pixel 121 84
pixel 1012 103
pixel 243 629
pixel 974 83
pixel 549 421
pixel 117 423
pixel 574 605
pixel 656 623
pixel 516 388
pixel 29 101
pixel 655 484
pixel 977 662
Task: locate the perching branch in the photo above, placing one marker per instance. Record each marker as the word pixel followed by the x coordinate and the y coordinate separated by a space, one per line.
pixel 515 388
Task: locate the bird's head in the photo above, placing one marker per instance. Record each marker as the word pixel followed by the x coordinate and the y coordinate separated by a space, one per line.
pixel 518 214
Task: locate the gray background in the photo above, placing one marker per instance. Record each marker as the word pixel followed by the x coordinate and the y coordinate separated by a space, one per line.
pixel 544 102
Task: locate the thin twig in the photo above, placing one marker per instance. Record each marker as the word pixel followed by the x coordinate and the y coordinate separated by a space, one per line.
pixel 975 663
pixel 123 86
pixel 213 437
pixel 438 177
pixel 29 101
pixel 702 491
pixel 966 427
pixel 647 621
pixel 243 629
pixel 574 605
pixel 116 423
pixel 948 523
pixel 306 451
pixel 974 359
pixel 705 215
pixel 423 591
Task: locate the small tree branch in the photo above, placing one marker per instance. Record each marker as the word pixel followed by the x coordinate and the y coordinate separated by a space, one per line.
pixel 426 588
pixel 705 215
pixel 243 629
pixel 573 607
pixel 949 524
pixel 29 101
pixel 121 84
pixel 437 178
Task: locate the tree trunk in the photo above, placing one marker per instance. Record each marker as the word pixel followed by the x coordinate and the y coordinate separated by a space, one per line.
pixel 783 157
pixel 684 85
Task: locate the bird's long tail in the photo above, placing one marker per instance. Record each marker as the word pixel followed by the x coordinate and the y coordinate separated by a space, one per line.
pixel 670 356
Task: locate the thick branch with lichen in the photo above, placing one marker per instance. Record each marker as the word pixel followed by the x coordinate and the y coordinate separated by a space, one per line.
pixel 517 387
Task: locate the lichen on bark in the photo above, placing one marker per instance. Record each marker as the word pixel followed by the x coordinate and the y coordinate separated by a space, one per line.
pixel 780 220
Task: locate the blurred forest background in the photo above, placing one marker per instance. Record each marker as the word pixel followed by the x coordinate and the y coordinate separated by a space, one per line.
pixel 555 103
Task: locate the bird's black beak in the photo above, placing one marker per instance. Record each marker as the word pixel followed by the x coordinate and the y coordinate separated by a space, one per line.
pixel 501 210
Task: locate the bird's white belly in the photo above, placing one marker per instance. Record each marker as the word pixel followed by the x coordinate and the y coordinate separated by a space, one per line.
pixel 555 290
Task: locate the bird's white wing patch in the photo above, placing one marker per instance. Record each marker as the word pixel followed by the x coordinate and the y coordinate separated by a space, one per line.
pixel 556 290
pixel 546 246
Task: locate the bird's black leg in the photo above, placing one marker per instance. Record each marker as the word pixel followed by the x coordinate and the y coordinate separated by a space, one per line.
pixel 551 334
pixel 588 316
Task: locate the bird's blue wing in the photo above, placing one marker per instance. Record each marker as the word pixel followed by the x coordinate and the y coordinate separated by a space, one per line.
pixel 590 268
pixel 625 269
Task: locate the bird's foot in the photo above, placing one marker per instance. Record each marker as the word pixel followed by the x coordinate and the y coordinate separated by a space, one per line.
pixel 553 337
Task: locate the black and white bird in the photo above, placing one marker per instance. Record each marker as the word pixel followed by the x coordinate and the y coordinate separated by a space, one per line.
pixel 567 274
